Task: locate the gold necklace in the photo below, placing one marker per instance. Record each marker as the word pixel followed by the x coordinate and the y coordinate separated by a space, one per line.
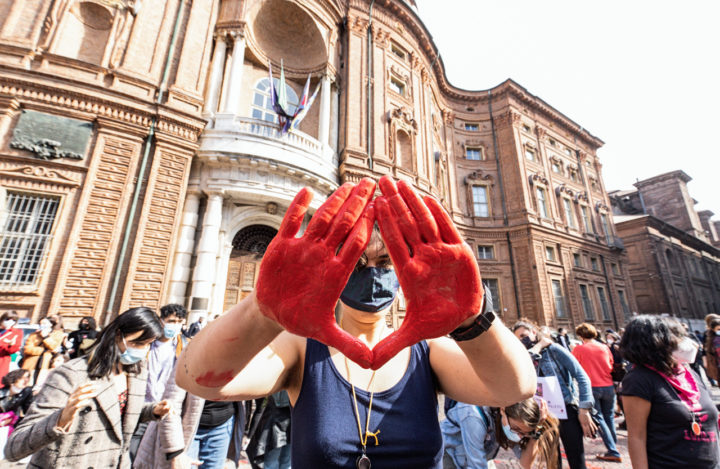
pixel 363 462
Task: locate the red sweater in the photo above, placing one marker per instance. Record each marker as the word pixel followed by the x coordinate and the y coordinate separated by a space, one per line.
pixel 597 361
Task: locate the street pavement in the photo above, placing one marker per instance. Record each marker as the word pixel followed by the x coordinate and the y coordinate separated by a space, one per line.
pixel 505 459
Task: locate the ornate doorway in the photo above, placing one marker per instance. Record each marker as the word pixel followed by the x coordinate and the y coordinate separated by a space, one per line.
pixel 249 245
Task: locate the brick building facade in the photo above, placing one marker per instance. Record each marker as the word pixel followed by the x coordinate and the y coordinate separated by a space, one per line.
pixel 673 254
pixel 521 180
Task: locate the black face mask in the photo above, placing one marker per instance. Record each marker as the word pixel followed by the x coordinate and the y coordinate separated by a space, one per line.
pixel 528 342
pixel 371 289
pixel 84 326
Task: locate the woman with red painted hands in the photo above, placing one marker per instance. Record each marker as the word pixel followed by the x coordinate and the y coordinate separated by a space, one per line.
pixel 361 393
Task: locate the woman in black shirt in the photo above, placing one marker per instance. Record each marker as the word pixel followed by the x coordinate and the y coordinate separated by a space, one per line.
pixel 671 419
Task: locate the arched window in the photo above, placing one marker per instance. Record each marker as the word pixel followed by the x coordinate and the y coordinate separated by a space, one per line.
pixel 261 107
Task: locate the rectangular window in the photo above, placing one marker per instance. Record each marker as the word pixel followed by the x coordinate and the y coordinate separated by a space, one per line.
pixel 624 304
pixel 587 304
pixel 603 303
pixel 586 219
pixel 481 207
pixel 577 260
pixel 486 252
pixel 594 263
pixel 493 285
pixel 550 253
pixel 542 203
pixel 559 299
pixel 530 154
pixel 526 128
pixel 399 53
pixel 474 153
pixel 568 213
pixel 556 168
pixel 605 225
pixel 615 269
pixel 397 86
pixel 25 237
pixel 471 127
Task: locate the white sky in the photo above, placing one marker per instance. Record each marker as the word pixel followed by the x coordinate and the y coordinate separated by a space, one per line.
pixel 643 76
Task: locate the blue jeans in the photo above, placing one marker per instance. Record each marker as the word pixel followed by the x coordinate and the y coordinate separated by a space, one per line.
pixel 210 445
pixel 278 458
pixel 605 405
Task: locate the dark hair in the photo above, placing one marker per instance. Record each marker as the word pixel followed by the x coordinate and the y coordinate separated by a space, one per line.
pixel 56 321
pixel 650 341
pixel 173 309
pixel 545 431
pixel 560 329
pixel 10 314
pixel 13 376
pixel 714 323
pixel 105 354
pixel 586 331
pixel 90 320
pixel 529 325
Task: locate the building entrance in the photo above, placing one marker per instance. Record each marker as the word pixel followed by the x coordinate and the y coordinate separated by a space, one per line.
pixel 249 245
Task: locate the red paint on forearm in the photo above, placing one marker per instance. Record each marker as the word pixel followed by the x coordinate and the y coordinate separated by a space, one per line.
pixel 212 380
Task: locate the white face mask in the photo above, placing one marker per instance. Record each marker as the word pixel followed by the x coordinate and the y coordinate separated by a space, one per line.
pixel 15 389
pixel 8 323
pixel 686 351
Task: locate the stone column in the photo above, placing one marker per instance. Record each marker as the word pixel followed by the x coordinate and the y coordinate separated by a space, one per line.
pixel 232 101
pixel 216 74
pixel 223 263
pixel 183 252
pixel 206 251
pixel 324 125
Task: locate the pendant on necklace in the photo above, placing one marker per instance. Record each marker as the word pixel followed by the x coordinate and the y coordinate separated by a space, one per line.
pixel 363 462
pixel 695 428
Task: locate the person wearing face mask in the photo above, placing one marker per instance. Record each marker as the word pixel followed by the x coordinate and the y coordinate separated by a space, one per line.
pixel 80 340
pixel 362 395
pixel 10 340
pixel 17 395
pixel 553 360
pixel 671 419
pixel 42 344
pixel 88 409
pixel 473 435
pixel 161 361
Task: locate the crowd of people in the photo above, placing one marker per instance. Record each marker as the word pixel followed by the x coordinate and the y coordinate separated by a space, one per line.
pixel 306 372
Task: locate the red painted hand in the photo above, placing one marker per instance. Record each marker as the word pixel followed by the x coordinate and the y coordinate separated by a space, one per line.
pixel 301 279
pixel 438 274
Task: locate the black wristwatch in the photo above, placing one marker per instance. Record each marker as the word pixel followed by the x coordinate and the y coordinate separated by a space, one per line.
pixel 482 322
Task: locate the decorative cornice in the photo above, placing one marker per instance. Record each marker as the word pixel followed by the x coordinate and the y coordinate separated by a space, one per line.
pixel 40 173
pixel 479 176
pixel 539 178
pixel 404 117
pixel 582 196
pixel 563 189
pixel 61 98
pixel 601 207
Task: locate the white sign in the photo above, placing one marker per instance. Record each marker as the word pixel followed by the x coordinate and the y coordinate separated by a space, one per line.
pixel 548 387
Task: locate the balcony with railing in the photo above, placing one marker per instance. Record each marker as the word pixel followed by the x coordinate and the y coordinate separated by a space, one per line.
pixel 239 138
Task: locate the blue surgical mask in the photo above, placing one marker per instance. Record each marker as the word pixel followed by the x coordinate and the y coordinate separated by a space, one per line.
pixel 511 435
pixel 171 330
pixel 132 355
pixel 371 289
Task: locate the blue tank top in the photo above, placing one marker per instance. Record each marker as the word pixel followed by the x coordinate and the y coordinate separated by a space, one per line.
pixel 324 432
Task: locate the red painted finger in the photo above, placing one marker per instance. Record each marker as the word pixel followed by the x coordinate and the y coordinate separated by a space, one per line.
pixel 392 345
pixel 403 215
pixel 394 240
pixel 350 346
pixel 424 219
pixel 296 213
pixel 351 210
pixel 321 220
pixel 445 225
pixel 359 237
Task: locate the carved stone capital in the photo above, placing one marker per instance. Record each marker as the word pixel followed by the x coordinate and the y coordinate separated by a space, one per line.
pixel 538 178
pixel 479 176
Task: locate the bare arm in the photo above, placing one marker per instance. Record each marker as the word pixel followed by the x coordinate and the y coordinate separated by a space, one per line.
pixel 637 410
pixel 493 369
pixel 241 355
